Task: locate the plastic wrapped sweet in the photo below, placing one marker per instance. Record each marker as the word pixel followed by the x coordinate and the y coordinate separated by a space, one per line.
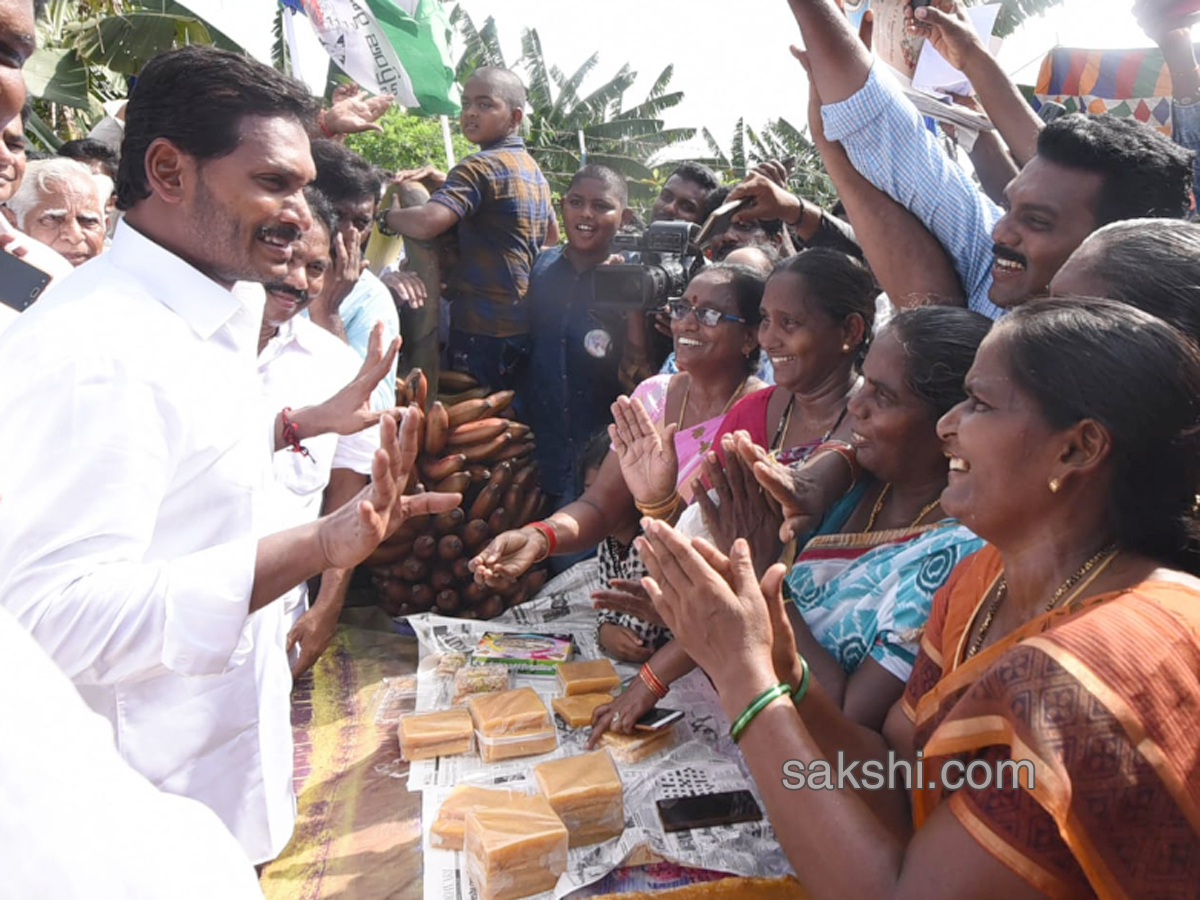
pixel 632 748
pixel 591 676
pixel 449 664
pixel 443 733
pixel 586 793
pixel 577 711
pixel 446 833
pixel 508 712
pixel 487 679
pixel 515 850
pixel 530 742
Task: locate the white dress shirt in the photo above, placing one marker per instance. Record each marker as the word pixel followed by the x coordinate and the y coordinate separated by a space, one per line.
pixel 77 822
pixel 134 457
pixel 304 365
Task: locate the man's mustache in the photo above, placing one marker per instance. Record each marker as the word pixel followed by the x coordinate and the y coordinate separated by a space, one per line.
pixel 1002 252
pixel 301 296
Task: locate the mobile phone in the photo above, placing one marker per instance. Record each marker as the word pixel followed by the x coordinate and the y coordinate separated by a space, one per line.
pixel 708 810
pixel 20 282
pixel 658 719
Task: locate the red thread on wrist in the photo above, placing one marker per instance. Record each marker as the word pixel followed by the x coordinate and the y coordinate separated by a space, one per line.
pixel 291 435
pixel 321 124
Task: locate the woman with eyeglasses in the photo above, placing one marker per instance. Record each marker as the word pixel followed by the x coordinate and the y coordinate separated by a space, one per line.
pixel 715 335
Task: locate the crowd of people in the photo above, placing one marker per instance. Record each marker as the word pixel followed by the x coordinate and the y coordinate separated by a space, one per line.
pixel 914 481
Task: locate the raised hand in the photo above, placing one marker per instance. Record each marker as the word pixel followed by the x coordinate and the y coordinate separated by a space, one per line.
pixel 768 200
pixel 349 410
pixel 349 535
pixel 509 556
pixel 647 457
pixel 429 176
pixel 627 597
pixel 352 112
pixel 723 623
pixel 945 24
pixel 744 509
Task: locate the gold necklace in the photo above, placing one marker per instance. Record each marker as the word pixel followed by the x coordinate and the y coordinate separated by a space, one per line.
pixel 883 495
pixel 878 507
pixel 1109 551
pixel 687 392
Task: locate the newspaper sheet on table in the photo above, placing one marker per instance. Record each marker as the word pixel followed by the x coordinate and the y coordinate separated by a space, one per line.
pixel 702 761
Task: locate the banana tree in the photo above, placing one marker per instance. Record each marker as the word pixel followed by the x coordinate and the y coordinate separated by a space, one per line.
pixel 86 48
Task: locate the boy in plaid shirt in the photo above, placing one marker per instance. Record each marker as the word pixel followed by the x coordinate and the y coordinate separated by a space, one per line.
pixel 500 202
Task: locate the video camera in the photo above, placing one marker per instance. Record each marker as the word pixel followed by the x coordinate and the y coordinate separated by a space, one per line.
pixel 669 260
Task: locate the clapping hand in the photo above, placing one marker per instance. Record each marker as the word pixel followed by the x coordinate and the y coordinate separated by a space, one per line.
pixel 799 500
pixel 350 534
pixel 647 456
pixel 743 509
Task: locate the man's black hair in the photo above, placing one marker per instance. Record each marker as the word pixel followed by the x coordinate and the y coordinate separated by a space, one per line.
pixel 196 97
pixel 89 150
pixel 1146 174
pixel 322 211
pixel 26 112
pixel 698 173
pixel 508 85
pixel 613 181
pixel 343 175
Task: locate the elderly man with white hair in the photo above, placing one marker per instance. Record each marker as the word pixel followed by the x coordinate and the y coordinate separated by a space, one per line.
pixel 61 203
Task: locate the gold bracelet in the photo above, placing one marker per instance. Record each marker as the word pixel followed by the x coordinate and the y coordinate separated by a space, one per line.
pixel 661 509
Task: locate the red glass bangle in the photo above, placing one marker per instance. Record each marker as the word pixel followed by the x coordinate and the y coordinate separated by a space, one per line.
pixel 551 537
pixel 656 687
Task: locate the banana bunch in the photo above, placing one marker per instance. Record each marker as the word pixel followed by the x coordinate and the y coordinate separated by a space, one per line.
pixel 472 445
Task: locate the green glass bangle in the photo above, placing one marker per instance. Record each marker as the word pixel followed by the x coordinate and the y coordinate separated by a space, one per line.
pixel 802 687
pixel 757 705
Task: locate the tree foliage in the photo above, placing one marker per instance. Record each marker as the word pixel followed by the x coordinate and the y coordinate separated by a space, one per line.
pixel 564 126
pixel 779 140
pixel 408 142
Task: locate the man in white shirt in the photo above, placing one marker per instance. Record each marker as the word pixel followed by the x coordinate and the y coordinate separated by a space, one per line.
pixel 301 364
pixel 78 822
pixel 135 449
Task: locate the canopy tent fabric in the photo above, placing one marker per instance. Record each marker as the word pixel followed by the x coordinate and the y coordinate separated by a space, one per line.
pixel 1129 83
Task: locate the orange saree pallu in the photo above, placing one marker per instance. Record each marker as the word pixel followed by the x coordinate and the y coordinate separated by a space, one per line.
pixel 1102 697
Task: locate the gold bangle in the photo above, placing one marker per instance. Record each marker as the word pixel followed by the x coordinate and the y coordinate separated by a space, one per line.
pixel 661 509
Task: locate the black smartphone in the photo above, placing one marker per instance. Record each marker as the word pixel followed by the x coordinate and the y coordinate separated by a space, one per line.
pixel 20 282
pixel 658 719
pixel 708 810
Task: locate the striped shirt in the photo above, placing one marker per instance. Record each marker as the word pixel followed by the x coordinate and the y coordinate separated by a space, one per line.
pixel 886 139
pixel 503 203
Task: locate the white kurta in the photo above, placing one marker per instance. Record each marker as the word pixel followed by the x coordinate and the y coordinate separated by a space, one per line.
pixel 78 823
pixel 134 455
pixel 304 365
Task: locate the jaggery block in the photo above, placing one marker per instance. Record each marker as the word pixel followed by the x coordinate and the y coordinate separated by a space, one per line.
pixel 510 712
pixel 488 679
pixel 577 711
pixel 443 733
pixel 592 676
pixel 521 743
pixel 515 850
pixel 631 748
pixel 446 833
pixel 587 794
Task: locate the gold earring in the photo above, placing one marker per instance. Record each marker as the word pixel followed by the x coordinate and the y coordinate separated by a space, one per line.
pixel 845 348
pixel 1055 484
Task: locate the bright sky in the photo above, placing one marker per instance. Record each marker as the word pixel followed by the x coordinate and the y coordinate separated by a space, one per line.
pixel 731 63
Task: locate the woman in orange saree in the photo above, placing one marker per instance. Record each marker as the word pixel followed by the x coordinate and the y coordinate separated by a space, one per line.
pixel 1070 645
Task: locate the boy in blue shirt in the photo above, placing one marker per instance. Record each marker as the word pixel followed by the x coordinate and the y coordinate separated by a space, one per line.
pixel 567 393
